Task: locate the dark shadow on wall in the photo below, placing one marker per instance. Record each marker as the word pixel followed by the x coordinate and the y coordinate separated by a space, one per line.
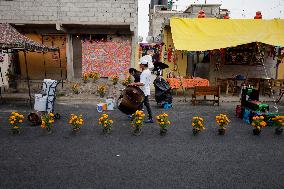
pixel 77 57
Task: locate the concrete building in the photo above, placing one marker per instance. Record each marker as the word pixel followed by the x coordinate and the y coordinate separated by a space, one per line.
pixel 160 13
pixel 85 31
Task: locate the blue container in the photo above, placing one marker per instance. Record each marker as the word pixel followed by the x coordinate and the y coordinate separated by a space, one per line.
pixel 247 115
pixel 167 106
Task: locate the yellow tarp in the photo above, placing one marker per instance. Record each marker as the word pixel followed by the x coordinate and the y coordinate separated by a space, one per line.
pixel 210 33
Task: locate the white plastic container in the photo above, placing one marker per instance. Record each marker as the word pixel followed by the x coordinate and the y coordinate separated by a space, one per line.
pixel 100 108
pixel 40 102
pixel 110 104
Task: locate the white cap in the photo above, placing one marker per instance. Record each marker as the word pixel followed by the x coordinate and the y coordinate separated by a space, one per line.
pixel 143 62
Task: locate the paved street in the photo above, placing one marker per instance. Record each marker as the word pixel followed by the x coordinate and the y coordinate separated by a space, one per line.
pixel 120 160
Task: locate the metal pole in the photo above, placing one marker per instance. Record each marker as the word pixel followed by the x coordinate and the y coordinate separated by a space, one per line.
pixel 60 64
pixel 205 1
pixel 28 79
pixel 44 63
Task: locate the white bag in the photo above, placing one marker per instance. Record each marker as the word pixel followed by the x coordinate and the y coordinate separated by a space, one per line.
pixel 40 102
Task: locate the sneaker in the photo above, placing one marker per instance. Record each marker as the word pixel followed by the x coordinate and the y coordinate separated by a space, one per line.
pixel 149 121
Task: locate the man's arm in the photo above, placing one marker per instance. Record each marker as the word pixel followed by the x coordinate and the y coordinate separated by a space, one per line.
pixel 136 84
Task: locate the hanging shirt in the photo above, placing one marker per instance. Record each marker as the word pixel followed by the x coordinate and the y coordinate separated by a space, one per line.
pixel 145 78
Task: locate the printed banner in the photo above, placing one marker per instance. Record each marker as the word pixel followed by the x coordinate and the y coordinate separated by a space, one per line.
pixel 107 58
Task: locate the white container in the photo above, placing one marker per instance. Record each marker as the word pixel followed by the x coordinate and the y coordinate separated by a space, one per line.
pixel 100 108
pixel 110 104
pixel 40 102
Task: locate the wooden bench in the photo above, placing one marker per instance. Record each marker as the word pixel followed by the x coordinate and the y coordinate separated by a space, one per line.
pixel 206 91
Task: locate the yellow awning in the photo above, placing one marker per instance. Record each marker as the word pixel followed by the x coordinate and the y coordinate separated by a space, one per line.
pixel 210 33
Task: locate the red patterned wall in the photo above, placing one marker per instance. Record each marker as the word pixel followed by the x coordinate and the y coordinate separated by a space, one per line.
pixel 107 58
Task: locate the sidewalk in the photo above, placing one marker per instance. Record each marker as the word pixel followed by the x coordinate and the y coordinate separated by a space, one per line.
pixel 87 98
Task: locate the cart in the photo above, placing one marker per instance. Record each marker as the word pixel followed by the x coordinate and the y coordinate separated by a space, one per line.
pixel 44 101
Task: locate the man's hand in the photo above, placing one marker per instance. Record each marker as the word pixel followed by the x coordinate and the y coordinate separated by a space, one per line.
pixel 136 84
pixel 132 84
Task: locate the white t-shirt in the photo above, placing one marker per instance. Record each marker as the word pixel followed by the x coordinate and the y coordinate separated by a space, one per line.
pixel 145 78
pixel 149 59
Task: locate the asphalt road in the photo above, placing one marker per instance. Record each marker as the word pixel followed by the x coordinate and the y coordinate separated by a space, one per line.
pixel 120 160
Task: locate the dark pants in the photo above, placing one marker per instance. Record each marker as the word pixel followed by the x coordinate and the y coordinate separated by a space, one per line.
pixel 147 104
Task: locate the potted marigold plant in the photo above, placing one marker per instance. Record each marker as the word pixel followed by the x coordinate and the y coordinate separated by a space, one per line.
pixel 197 124
pixel 126 81
pixel 137 122
pixel 258 123
pixel 47 121
pixel 106 123
pixel 16 120
pixel 163 121
pixel 95 76
pixel 222 120
pixel 279 123
pixel 101 90
pixel 85 77
pixel 114 79
pixel 75 88
pixel 76 121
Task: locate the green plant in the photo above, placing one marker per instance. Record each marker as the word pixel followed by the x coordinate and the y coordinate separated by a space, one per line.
pixel 76 121
pixel 126 81
pixel 105 122
pixel 47 121
pixel 102 90
pixel 163 121
pixel 137 121
pixel 75 88
pixel 197 124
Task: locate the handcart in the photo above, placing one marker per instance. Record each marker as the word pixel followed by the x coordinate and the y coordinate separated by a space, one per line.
pixel 44 101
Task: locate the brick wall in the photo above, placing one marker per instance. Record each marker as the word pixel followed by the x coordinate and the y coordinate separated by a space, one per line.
pixel 115 12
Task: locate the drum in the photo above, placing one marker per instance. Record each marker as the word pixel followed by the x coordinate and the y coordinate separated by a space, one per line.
pixel 34 118
pixel 130 100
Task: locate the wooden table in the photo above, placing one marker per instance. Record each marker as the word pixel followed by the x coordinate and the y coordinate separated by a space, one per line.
pixel 257 83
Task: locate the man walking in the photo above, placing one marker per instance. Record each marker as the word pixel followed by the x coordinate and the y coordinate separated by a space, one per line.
pixel 136 74
pixel 144 84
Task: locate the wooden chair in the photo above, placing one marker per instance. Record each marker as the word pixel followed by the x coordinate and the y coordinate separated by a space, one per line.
pixel 255 82
pixel 277 85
